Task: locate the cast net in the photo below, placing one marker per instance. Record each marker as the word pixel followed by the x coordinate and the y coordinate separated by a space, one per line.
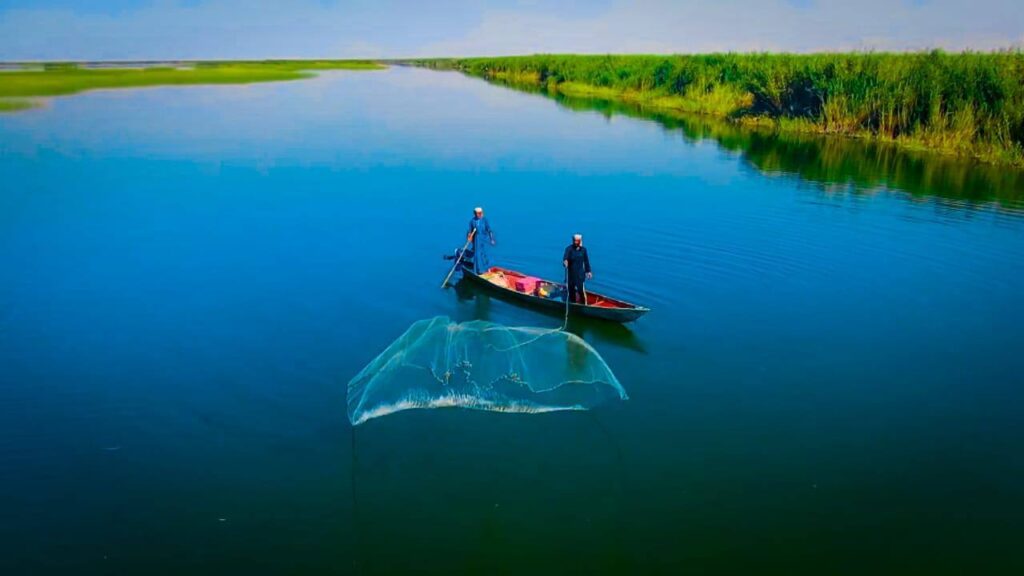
pixel 481 365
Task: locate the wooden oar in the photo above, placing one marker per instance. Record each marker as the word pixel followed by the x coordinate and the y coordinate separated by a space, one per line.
pixel 444 284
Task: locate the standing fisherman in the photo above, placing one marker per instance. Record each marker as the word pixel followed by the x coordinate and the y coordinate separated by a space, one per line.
pixel 480 235
pixel 577 265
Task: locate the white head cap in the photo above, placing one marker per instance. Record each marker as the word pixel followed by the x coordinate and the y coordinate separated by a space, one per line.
pixel 577 236
pixel 478 209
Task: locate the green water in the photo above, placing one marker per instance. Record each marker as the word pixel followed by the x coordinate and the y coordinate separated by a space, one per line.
pixel 828 382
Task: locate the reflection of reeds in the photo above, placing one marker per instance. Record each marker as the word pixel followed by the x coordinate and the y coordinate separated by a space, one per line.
pixel 862 164
pixel 968 104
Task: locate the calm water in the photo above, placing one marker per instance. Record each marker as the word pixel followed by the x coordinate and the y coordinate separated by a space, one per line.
pixel 829 382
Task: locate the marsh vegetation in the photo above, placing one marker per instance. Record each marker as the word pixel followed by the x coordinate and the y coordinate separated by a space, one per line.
pixel 834 164
pixel 969 104
pixel 17 87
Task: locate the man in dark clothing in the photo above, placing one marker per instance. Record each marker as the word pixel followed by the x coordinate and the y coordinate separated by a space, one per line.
pixel 577 265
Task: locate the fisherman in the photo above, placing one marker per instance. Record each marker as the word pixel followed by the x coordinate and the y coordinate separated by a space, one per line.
pixel 479 237
pixel 577 266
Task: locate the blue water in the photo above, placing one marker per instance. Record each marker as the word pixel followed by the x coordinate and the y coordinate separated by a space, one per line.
pixel 829 380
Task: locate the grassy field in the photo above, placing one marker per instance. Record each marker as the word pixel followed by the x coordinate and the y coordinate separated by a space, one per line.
pixel 968 104
pixel 56 79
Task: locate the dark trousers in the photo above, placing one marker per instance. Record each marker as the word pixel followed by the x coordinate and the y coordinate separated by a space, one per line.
pixel 576 289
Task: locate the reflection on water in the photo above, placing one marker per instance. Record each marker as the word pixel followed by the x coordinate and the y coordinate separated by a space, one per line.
pixel 592 329
pixel 823 364
pixel 853 165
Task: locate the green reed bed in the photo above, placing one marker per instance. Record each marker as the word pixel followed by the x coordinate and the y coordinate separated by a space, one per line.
pixel 969 104
pixel 57 79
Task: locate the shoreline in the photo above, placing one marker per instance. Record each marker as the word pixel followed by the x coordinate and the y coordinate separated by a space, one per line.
pixel 681 105
pixel 944 119
pixel 832 163
pixel 672 104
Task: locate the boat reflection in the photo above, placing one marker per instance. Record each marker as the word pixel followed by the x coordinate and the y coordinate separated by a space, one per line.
pixel 479 302
pixel 590 329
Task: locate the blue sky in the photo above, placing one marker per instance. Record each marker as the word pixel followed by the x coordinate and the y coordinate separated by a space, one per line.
pixel 165 29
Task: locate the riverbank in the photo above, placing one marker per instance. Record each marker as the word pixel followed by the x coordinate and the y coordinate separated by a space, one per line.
pixel 19 88
pixel 968 104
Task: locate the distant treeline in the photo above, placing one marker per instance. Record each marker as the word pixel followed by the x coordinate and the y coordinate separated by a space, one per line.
pixel 965 103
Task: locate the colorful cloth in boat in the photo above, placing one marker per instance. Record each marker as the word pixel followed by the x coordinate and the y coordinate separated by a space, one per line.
pixel 527 284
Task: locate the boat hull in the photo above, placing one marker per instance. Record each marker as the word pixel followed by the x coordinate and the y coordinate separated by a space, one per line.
pixel 624 312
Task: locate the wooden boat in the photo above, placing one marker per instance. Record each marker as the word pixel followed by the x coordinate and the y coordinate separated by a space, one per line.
pixel 547 294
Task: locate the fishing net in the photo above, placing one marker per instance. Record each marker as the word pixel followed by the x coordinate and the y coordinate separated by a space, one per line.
pixel 438 363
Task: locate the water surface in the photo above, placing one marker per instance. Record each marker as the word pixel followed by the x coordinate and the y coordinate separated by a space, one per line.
pixel 829 381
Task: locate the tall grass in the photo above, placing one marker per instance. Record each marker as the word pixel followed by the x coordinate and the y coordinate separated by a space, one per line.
pixel 965 103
